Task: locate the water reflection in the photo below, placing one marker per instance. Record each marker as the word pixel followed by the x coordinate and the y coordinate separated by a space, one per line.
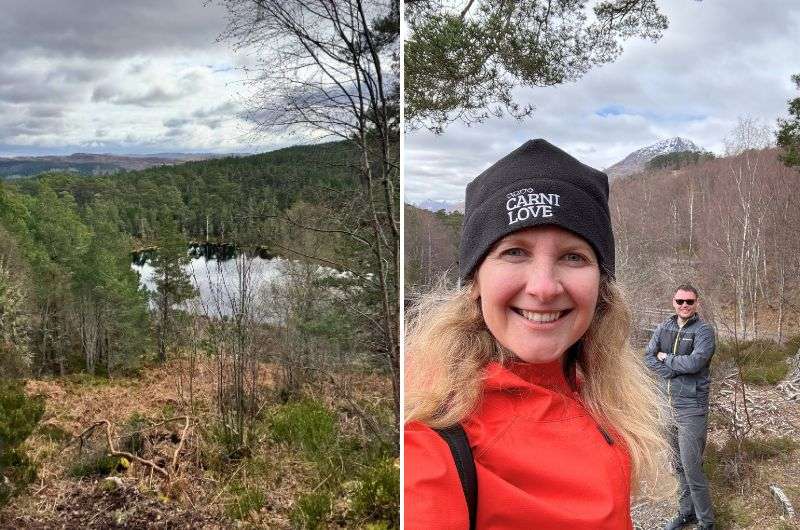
pixel 219 283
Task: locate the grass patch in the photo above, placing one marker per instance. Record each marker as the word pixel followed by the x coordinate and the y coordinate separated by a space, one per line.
pixel 353 481
pixel 721 463
pixel 732 512
pixel 763 362
pixel 766 448
pixel 89 465
pixel 54 433
pixel 306 425
pixel 311 511
pixel 244 501
pixel 793 344
pixel 339 476
pixel 727 467
pixel 168 410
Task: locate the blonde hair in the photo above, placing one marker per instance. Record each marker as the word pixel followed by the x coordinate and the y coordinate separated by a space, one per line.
pixel 447 345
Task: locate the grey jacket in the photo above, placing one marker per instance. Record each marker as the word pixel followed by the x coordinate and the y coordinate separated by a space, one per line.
pixel 684 374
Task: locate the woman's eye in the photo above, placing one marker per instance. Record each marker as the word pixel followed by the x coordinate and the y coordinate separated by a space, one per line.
pixel 574 257
pixel 513 252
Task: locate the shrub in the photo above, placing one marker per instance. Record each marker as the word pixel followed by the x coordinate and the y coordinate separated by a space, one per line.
pixel 132 439
pixel 764 375
pixel 19 415
pixel 377 496
pixel 792 344
pixel 307 425
pixel 763 362
pixel 311 510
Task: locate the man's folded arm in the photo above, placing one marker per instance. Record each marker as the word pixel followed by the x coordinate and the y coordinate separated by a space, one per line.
pixel 652 361
pixel 700 356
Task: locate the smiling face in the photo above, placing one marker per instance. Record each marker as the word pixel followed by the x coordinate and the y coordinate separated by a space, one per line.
pixel 684 310
pixel 538 290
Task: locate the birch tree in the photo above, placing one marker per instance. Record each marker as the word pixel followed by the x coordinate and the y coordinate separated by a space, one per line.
pixel 328 69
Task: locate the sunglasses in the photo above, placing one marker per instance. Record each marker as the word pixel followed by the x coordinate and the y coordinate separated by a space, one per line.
pixel 681 301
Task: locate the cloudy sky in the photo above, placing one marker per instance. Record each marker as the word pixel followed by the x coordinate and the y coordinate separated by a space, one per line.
pixel 120 77
pixel 719 59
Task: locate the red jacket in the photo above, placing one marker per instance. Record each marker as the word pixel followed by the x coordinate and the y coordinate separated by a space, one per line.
pixel 542 461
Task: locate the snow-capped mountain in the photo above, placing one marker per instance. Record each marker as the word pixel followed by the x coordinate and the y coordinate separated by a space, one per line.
pixel 636 161
pixel 435 206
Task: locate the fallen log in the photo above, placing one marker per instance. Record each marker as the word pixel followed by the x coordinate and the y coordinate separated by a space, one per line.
pixel 783 501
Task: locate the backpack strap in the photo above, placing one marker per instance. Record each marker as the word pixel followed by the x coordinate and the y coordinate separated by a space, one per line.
pixel 456 438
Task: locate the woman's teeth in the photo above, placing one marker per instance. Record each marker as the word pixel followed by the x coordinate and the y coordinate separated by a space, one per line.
pixel 538 316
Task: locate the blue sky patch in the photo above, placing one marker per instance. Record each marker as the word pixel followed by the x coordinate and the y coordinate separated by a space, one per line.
pixel 655 117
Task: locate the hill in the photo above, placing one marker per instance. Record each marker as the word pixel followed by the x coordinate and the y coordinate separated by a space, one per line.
pixel 209 197
pixel 91 164
pixel 637 160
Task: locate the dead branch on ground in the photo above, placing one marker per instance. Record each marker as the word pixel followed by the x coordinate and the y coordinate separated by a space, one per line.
pixel 166 473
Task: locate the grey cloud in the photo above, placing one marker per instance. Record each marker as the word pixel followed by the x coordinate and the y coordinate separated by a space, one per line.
pixel 33 93
pixel 229 109
pixel 77 73
pixel 103 29
pixel 22 82
pixel 31 127
pixel 45 111
pixel 176 122
pixel 174 133
pixel 193 78
pixel 153 96
pixel 103 93
pixel 715 62
pixel 138 68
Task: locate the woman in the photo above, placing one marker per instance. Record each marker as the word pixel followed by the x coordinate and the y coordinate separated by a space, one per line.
pixel 530 357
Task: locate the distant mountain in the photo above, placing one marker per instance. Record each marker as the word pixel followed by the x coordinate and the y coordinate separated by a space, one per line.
pixel 435 206
pixel 637 161
pixel 192 157
pixel 91 164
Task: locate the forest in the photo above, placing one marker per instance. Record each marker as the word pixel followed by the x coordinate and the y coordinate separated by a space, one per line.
pixel 287 393
pixel 727 224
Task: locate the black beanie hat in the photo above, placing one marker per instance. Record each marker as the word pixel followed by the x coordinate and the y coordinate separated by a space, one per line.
pixel 536 184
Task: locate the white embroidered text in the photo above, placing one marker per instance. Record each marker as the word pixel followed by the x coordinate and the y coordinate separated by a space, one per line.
pixel 525 204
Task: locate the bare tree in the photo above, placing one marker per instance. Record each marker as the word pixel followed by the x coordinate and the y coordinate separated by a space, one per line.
pixel 749 133
pixel 324 69
pixel 232 334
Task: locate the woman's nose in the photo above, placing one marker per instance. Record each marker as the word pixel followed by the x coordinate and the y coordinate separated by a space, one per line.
pixel 543 282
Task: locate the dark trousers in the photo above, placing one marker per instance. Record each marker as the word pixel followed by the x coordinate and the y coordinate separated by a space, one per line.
pixel 688 443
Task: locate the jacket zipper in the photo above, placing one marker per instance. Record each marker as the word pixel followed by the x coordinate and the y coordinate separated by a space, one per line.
pixel 674 352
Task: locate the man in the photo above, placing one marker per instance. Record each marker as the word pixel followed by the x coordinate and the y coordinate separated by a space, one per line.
pixel 680 352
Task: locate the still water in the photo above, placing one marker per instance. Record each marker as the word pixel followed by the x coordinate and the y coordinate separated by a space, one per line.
pixel 219 282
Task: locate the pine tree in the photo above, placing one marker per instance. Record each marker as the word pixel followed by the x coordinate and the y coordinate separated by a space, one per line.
pixel 112 310
pixel 789 130
pixel 173 285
